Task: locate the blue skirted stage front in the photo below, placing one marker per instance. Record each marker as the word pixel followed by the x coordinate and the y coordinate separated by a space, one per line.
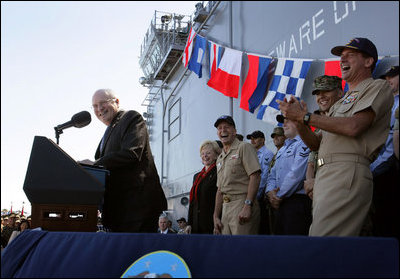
pixel 76 254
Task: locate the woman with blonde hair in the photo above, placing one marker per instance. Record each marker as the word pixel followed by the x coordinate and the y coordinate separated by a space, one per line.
pixel 202 194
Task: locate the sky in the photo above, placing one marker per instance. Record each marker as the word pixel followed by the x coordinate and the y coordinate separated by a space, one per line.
pixel 54 56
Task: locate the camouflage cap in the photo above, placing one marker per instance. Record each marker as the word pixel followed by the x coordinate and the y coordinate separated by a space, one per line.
pixel 277 131
pixel 326 83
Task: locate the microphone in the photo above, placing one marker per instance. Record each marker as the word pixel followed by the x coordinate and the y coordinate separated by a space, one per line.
pixel 79 120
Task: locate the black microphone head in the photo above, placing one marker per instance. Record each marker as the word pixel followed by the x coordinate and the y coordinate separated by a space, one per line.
pixel 81 119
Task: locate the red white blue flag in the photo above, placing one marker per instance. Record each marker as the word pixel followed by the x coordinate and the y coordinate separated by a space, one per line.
pixel 255 85
pixel 214 58
pixel 227 77
pixel 188 48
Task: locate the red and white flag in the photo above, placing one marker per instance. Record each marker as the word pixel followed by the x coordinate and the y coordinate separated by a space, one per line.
pixel 215 55
pixel 332 68
pixel 189 47
pixel 227 77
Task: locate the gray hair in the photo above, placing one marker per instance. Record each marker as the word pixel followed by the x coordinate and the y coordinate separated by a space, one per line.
pixel 163 216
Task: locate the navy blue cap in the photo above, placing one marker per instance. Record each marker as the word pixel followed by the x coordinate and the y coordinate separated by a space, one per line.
pixel 361 44
pixel 256 135
pixel 392 72
pixel 225 118
pixel 280 118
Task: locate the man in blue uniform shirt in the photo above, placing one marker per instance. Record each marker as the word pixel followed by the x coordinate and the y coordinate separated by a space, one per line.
pixel 264 157
pixel 385 171
pixel 285 185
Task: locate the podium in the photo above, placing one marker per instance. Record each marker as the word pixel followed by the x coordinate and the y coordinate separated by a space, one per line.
pixel 64 195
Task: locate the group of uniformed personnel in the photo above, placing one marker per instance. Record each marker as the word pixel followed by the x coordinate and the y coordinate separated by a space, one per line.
pixel 10 223
pixel 352 131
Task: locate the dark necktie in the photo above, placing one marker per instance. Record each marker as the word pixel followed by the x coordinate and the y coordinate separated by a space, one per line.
pixel 103 140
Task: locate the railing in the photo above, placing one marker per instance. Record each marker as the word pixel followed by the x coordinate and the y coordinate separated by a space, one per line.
pixel 165 29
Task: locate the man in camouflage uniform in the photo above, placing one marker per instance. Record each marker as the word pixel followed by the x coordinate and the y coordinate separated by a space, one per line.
pixel 327 91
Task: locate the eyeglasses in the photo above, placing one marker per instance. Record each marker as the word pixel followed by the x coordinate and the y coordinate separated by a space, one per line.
pixel 102 103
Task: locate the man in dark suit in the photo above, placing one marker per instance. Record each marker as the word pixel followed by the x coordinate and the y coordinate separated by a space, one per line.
pixel 133 198
pixel 163 225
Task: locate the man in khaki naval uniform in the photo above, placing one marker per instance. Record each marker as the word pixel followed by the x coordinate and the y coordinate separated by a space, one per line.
pixel 238 178
pixel 354 130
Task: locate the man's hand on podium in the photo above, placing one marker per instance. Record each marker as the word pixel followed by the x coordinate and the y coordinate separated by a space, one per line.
pixel 86 162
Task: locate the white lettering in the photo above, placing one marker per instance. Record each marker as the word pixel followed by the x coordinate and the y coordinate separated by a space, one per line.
pixel 338 19
pixel 271 53
pixel 199 55
pixel 317 28
pixel 292 45
pixel 280 52
pixel 316 25
pixel 307 34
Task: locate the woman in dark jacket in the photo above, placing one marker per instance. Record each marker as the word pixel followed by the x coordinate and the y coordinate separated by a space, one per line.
pixel 202 194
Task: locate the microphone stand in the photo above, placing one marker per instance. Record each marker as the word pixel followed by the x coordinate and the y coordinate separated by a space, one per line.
pixel 58 133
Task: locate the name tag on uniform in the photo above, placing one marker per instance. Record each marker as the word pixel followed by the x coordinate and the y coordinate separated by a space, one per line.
pixel 219 165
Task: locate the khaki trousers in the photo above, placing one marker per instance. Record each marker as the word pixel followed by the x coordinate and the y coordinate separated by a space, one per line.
pixel 230 219
pixel 341 199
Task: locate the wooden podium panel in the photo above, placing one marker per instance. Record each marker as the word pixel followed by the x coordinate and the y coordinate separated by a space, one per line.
pixel 62 217
pixel 64 195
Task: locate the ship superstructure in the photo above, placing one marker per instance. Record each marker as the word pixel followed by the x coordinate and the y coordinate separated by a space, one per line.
pixel 182 108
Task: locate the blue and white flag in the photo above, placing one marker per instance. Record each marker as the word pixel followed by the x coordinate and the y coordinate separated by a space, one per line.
pixel 197 55
pixel 214 58
pixel 288 80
